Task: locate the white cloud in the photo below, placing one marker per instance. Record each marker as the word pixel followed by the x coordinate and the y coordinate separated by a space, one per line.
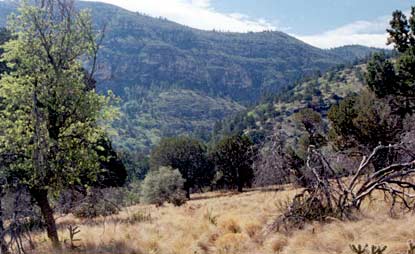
pixel 368 33
pixel 200 14
pixel 195 13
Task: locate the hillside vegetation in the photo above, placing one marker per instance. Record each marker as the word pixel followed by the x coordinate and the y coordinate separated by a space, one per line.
pixel 318 93
pixel 161 57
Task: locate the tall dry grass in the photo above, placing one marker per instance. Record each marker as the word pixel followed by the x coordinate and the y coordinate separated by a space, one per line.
pixel 226 223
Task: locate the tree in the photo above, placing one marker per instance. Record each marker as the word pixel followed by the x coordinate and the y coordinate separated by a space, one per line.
pixel 312 125
pixel 276 161
pixel 48 114
pixel 113 172
pixel 377 115
pixel 399 33
pixel 188 156
pixel 363 122
pixel 5 36
pixel 405 67
pixel 381 77
pixel 3 244
pixel 329 195
pixel 137 165
pixel 163 185
pixel 233 157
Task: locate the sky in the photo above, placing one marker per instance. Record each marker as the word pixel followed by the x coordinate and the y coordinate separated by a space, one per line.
pixel 322 23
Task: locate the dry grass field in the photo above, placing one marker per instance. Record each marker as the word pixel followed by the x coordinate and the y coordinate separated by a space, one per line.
pixel 229 223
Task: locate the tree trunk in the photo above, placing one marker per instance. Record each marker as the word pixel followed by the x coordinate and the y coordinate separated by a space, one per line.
pixel 3 245
pixel 187 188
pixel 240 186
pixel 41 198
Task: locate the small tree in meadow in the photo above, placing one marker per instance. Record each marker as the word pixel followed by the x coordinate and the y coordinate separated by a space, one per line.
pixel 233 157
pixel 164 185
pixel 186 154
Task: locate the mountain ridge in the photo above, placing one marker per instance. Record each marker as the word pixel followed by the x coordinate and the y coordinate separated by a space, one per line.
pixel 236 69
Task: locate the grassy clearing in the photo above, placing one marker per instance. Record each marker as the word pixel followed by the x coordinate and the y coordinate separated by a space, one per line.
pixel 229 223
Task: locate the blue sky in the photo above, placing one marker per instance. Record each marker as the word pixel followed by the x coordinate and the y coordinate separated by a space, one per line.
pixel 307 17
pixel 322 23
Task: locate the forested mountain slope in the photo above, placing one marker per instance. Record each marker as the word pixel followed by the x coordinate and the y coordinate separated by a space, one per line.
pixel 159 68
pixel 318 93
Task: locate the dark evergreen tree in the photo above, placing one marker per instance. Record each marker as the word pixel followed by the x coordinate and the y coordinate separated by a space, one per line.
pixel 399 32
pixel 233 157
pixel 381 77
pixel 188 156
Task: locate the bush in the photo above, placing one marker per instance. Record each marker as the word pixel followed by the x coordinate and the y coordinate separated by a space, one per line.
pixel 141 216
pixel 164 185
pixel 95 205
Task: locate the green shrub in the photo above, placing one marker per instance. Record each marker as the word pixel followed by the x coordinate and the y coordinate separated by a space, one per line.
pixel 163 185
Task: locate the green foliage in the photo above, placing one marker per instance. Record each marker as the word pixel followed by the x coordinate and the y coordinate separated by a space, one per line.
pixel 186 154
pixel 381 77
pixel 137 165
pixel 48 113
pixel 148 114
pixel 163 185
pixel 233 157
pixel 313 128
pixel 259 121
pixel 5 36
pixel 363 120
pixel 402 31
pixel 113 172
pixel 405 68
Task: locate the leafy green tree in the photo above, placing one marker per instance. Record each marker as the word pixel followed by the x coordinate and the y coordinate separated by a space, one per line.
pixel 48 115
pixel 233 157
pixel 163 185
pixel 188 156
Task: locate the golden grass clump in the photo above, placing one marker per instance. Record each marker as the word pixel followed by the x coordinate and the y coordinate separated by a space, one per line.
pixel 230 243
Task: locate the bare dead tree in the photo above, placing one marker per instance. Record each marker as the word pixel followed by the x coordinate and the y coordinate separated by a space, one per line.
pixel 332 195
pixel 270 166
pixel 275 164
